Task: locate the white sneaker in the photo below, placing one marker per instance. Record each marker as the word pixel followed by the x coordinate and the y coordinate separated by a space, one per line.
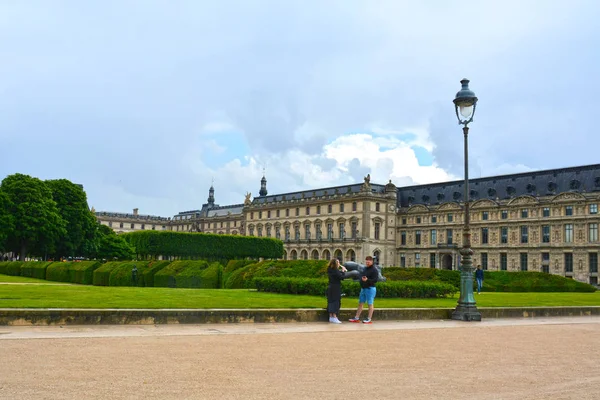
pixel 336 321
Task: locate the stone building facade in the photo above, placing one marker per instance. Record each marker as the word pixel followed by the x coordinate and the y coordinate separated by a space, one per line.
pixel 537 221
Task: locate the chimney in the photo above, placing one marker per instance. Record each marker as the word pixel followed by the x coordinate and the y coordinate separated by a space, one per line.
pixel 135 211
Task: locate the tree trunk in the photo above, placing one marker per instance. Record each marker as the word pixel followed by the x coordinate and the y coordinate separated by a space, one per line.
pixel 23 252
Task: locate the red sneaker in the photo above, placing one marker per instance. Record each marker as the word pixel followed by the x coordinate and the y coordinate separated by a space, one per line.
pixel 354 320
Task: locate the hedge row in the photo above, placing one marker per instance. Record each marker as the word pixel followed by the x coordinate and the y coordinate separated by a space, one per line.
pixel 73 272
pixel 204 245
pixel 276 268
pixel 11 268
pixel 35 269
pixel 190 274
pixel 318 287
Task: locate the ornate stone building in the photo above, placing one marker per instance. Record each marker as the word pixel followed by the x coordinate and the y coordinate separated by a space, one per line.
pixel 537 221
pixel 124 222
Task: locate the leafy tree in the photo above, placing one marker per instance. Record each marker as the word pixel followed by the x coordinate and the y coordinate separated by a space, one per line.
pixel 109 245
pixel 72 204
pixel 37 223
pixel 7 223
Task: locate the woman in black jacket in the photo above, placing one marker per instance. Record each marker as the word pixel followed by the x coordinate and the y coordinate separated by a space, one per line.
pixel 334 290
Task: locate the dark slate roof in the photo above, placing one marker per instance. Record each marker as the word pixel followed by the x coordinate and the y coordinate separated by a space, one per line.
pixel 537 183
pixel 354 188
pixel 130 216
pixel 224 210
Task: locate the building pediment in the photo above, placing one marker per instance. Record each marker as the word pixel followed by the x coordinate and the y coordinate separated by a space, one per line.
pixel 569 196
pixel 417 208
pixel 449 206
pixel 523 200
pixel 484 203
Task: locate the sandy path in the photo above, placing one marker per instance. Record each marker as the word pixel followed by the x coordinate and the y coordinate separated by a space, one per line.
pixel 498 361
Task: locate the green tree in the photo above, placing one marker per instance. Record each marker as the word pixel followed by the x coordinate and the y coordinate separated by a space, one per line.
pixel 72 204
pixel 109 245
pixel 37 223
pixel 7 222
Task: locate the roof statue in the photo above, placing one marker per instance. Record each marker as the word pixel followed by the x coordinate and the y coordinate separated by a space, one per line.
pixel 366 186
pixel 247 201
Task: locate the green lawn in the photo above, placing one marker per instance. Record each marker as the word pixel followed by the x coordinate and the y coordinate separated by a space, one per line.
pixel 21 279
pixel 81 296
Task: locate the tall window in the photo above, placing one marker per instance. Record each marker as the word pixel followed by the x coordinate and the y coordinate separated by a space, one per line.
pixel 432 260
pixel 418 220
pixel 307 232
pixel 307 210
pixel 546 263
pixel 593 234
pixel 287 233
pixel 287 212
pixel 297 232
pixel 319 233
pixel 376 206
pixel 568 262
pixel 297 211
pixel 484 236
pixel 260 215
pixel 524 213
pixel 433 237
pixel 353 206
pixel 484 261
pixel 449 236
pixel 503 262
pixel 329 231
pixel 593 261
pixel 449 217
pixel 277 232
pixel 259 230
pixel 277 213
pixel 418 237
pixel 341 207
pixel 329 208
pixel 403 221
pixel 504 214
pixel 376 230
pixel 342 230
pixel 417 258
pixel 251 229
pixel 593 208
pixel 546 212
pixel 433 219
pixel 504 234
pixel 403 260
pixel 568 211
pixel 546 234
pixel 524 234
pixel 252 215
pixel 403 238
pixel 569 233
pixel 269 214
pixel 485 215
pixel 318 209
pixel 523 261
pixel 353 230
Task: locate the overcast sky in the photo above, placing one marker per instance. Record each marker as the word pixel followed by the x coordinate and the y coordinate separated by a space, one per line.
pixel 145 102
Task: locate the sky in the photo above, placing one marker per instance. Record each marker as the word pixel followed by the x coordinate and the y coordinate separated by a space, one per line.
pixel 146 103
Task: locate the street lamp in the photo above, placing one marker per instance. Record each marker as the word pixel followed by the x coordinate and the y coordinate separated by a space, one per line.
pixel 465 103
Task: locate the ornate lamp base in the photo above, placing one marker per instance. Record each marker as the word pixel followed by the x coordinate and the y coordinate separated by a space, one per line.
pixel 464 312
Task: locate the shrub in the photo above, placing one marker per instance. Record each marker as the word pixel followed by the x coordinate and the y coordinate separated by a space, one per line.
pixel 12 268
pixel 58 271
pixel 236 278
pixel 318 287
pixel 83 272
pixel 189 274
pixel 35 269
pixel 504 281
pixel 3 265
pixel 211 277
pixel 147 275
pixel 102 274
pixel 232 266
pixel 121 274
pixel 277 268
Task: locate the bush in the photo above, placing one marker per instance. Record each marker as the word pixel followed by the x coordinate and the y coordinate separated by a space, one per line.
pixel 83 272
pixel 205 245
pixel 232 266
pixel 147 275
pixel 276 268
pixel 102 274
pixel 11 268
pixel 121 274
pixel 3 265
pixel 58 271
pixel 35 269
pixel 189 274
pixel 212 276
pixel 318 287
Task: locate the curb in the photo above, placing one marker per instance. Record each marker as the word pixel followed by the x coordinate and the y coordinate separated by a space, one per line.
pixel 37 317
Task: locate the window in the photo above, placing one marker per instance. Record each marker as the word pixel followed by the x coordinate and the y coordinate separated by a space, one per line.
pixel 593 261
pixel 418 220
pixel 110 224
pixel 593 232
pixel 546 212
pixel 287 233
pixel 376 206
pixel 251 230
pixel 433 237
pixel 287 212
pixel 523 261
pixel 342 230
pixel 297 211
pixel 329 231
pixel 417 258
pixel 569 233
pixel 485 215
pixel 433 219
pixel 354 206
pixel 277 213
pixel 121 225
pixel 318 209
pixel 403 260
pixel 418 237
pixel 132 226
pixel 504 214
pixel 342 207
pixel 449 217
pixel 353 226
pixel 568 211
pixel 269 214
pixel 403 221
pixel 484 261
pixel 329 208
pixel 449 236
pixel 252 215
pixel 268 231
pixel 568 262
pixel 319 233
pixel 546 234
pixel 524 234
pixel 259 216
pixel 484 236
pixel 235 222
pixel 222 223
pixel 593 208
pixel 307 232
pixel 504 234
pixel 307 210
pixel 376 230
pixel 403 238
pixel 259 229
pixel 546 263
pixel 143 226
pixel 524 213
pixel 432 260
pixel 594 280
pixel 503 262
pixel 297 232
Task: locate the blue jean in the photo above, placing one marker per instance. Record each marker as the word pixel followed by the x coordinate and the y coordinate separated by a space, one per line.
pixel 479 284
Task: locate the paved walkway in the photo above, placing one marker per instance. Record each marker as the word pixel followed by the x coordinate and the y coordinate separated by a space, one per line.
pixel 554 358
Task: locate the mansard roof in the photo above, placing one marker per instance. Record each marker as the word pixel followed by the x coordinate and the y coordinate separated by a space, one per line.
pixel 535 183
pixel 317 193
pixel 225 210
pixel 143 217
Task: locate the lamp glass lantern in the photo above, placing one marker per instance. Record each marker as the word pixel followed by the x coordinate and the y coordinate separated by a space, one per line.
pixel 465 103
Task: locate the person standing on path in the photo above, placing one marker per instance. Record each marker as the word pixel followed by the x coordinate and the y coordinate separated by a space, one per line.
pixel 334 291
pixel 479 278
pixel 368 279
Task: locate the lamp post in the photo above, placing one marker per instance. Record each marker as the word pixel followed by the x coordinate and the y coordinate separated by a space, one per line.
pixel 465 103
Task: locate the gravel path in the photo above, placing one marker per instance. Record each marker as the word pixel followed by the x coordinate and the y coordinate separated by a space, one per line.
pixel 556 360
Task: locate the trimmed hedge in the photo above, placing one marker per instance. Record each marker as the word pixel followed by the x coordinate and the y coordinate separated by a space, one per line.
pixel 121 274
pixel 277 268
pixel 83 272
pixel 189 274
pixel 205 245
pixel 11 268
pixel 232 266
pixel 146 277
pixel 35 269
pixel 318 287
pixel 102 274
pixel 59 271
